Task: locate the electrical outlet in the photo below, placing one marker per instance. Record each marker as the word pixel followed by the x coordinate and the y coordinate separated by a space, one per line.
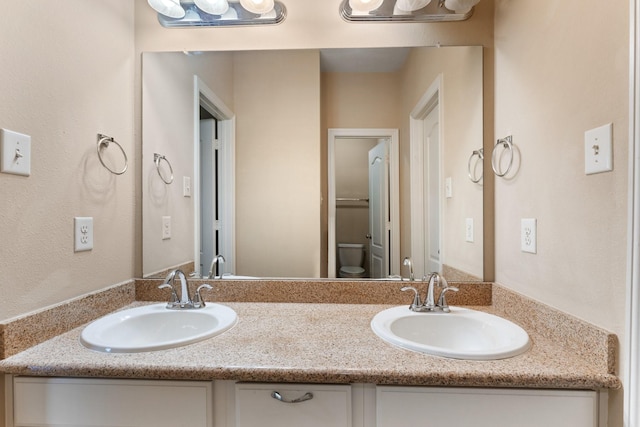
pixel 469 230
pixel 166 227
pixel 83 233
pixel 528 235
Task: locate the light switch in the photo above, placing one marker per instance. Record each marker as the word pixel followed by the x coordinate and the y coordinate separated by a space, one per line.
pixel 598 152
pixel 15 153
pixel 186 186
pixel 448 190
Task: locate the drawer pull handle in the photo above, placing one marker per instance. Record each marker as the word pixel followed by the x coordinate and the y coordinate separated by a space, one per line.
pixel 303 398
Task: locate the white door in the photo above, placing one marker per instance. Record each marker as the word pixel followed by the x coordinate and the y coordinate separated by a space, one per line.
pixel 432 184
pixel 208 202
pixel 378 211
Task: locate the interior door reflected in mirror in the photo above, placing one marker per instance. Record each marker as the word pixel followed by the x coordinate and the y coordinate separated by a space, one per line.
pixel 280 106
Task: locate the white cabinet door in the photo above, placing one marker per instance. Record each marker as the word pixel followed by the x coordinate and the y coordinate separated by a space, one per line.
pixel 457 407
pixel 113 403
pixel 330 405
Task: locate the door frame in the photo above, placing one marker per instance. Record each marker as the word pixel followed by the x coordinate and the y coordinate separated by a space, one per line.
pixel 394 189
pixel 205 97
pixel 431 99
pixel 631 357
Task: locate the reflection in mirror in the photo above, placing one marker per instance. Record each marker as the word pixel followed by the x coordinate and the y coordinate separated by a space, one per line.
pixel 281 106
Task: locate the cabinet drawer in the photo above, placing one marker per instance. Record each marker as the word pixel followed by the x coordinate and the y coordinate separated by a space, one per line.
pixel 329 407
pixel 102 402
pixel 486 407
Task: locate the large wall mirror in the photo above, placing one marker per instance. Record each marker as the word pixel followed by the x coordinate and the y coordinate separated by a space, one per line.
pixel 258 193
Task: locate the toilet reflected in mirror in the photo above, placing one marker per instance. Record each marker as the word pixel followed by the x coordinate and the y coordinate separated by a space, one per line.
pixel 351 260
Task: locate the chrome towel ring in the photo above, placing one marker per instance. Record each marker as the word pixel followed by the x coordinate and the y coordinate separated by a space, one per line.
pixel 472 171
pixel 104 141
pixel 156 159
pixel 507 145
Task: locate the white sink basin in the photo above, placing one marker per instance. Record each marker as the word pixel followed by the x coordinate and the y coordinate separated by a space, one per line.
pixel 461 334
pixel 154 327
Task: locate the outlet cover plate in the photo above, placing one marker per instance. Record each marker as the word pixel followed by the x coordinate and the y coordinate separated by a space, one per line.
pixel 83 232
pixel 15 153
pixel 528 235
pixel 469 230
pixel 166 227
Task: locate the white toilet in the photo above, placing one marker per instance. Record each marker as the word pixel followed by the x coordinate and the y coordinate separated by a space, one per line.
pixel 351 259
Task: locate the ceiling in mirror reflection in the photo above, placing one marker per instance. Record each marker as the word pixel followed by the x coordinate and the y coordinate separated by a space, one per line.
pixel 281 145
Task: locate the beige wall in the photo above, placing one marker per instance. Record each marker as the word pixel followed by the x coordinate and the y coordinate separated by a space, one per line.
pixel 277 199
pixel 561 69
pixel 461 130
pixel 168 102
pixel 64 81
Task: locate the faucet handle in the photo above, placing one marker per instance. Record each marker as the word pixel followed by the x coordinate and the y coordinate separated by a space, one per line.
pixel 174 295
pixel 198 302
pixel 416 297
pixel 442 301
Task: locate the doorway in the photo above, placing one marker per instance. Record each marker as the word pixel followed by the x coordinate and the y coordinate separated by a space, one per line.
pixel 214 180
pixel 426 210
pixel 371 208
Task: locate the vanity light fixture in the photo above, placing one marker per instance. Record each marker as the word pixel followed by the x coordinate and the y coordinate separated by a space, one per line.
pixel 220 13
pixel 406 10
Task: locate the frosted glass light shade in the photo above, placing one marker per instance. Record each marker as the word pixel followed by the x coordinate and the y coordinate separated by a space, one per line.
pixel 460 6
pixel 364 5
pixel 411 5
pixel 258 6
pixel 213 7
pixel 170 8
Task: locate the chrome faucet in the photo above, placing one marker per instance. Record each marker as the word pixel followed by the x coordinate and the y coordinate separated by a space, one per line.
pixel 184 302
pixel 407 262
pixel 216 264
pixel 429 304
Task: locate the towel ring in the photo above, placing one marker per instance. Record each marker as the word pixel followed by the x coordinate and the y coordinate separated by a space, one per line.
pixel 508 145
pixel 104 140
pixel 156 159
pixel 472 176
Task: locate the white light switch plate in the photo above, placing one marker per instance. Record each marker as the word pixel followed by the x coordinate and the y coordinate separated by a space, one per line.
pixel 598 150
pixel 186 186
pixel 83 232
pixel 528 235
pixel 448 188
pixel 15 153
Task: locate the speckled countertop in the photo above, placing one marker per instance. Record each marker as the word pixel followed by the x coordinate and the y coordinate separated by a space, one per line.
pixel 327 343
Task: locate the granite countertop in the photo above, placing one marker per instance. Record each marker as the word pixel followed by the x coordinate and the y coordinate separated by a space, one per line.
pixel 312 343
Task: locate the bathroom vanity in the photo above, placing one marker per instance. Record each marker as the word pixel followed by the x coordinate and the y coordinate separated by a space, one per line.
pixel 282 352
pixel 113 402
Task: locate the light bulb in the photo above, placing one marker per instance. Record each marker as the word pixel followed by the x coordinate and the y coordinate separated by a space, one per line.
pixel 170 8
pixel 258 7
pixel 411 5
pixel 213 7
pixel 364 5
pixel 460 6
